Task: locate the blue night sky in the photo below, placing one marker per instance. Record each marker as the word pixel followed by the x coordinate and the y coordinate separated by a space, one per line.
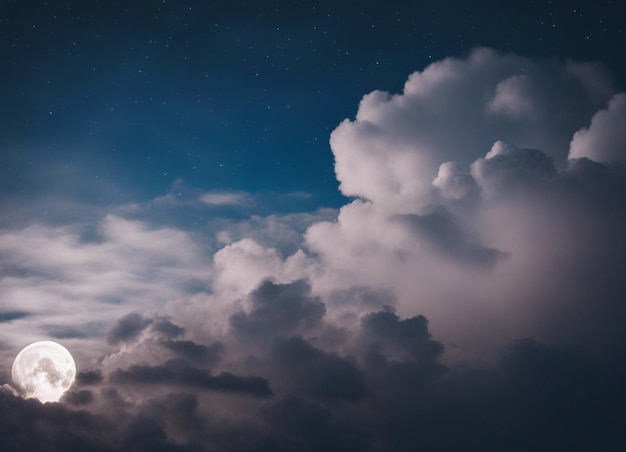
pixel 313 225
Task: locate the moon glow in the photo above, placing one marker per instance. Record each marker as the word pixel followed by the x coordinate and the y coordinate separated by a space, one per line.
pixel 44 370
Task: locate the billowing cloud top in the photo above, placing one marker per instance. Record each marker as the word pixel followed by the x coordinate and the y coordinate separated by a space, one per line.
pixel 455 110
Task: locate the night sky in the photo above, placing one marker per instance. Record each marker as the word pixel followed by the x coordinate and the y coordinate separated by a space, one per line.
pixel 315 225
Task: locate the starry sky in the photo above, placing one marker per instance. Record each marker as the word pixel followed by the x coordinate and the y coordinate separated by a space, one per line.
pixel 128 97
pixel 315 224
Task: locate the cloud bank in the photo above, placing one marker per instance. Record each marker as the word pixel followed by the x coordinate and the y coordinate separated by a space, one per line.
pixel 468 297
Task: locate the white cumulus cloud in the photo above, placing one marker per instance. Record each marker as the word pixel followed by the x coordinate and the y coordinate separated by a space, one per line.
pixel 605 139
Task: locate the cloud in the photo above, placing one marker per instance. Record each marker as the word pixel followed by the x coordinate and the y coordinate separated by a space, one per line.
pixel 175 372
pixel 9 316
pixel 209 355
pixel 296 422
pixel 439 230
pixel 32 425
pixel 506 168
pixel 513 97
pixel 278 309
pixel 469 208
pixel 409 337
pixel 128 328
pixel 225 198
pixel 80 397
pixel 453 111
pixel 605 139
pixel 282 232
pixel 167 328
pixel 89 377
pixel 67 332
pixel 454 181
pixel 113 266
pixel 317 373
pixel 242 265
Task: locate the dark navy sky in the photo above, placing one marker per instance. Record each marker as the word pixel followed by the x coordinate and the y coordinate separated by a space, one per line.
pixel 115 100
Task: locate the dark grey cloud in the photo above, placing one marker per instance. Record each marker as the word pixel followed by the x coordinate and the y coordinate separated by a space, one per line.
pixel 65 332
pixel 80 397
pixel 315 372
pixel 602 184
pixel 177 372
pixel 178 412
pixel 536 397
pixel 278 309
pixel 145 434
pixel 309 426
pixel 89 377
pixel 29 425
pixel 61 426
pixel 167 328
pixel 385 331
pixel 207 355
pixel 393 394
pixel 9 316
pixel 128 328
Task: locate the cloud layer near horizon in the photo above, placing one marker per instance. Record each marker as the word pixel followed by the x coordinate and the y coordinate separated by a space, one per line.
pixel 475 280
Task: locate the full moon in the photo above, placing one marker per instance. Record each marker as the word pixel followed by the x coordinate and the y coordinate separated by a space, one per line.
pixel 44 370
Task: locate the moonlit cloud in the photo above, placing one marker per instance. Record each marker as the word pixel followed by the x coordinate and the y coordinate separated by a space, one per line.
pixel 71 281
pixel 513 98
pixel 474 279
pixel 605 139
pixel 455 110
pixel 456 177
pixel 224 198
